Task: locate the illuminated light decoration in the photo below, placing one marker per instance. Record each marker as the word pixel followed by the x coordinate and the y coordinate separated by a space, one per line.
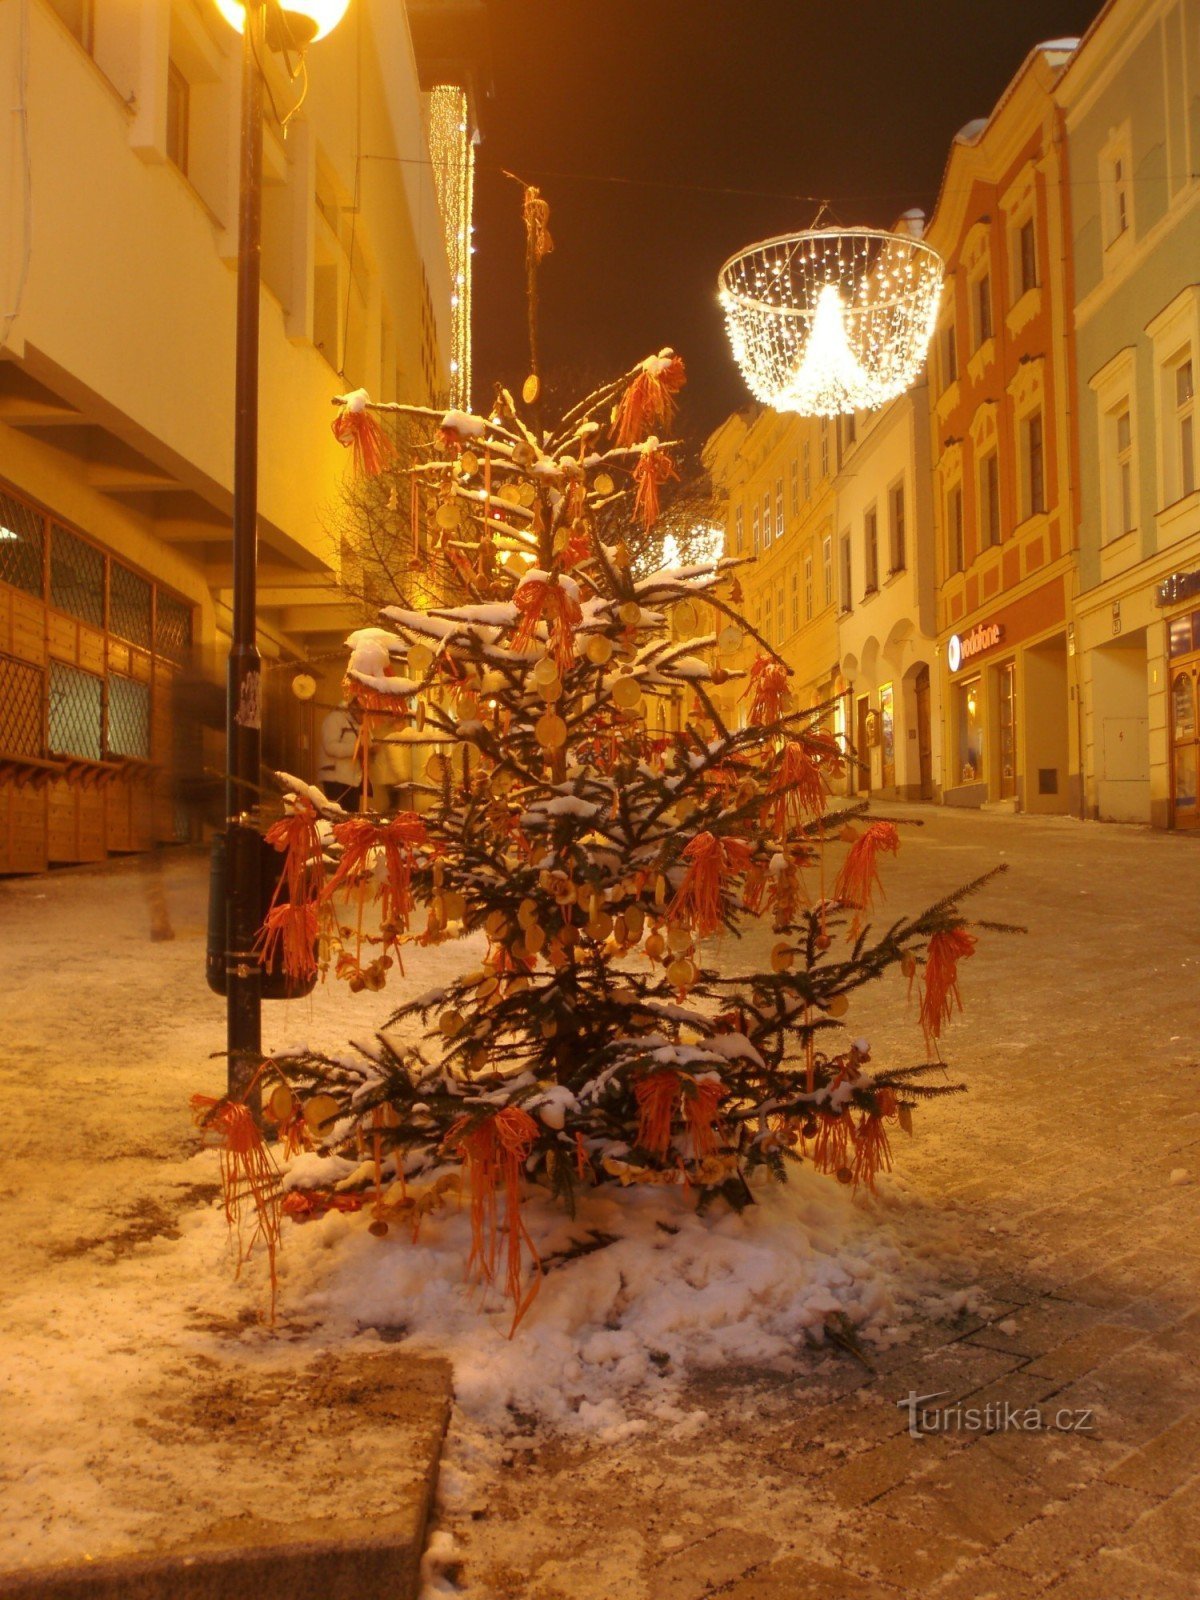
pixel 833 320
pixel 452 151
pixel 307 20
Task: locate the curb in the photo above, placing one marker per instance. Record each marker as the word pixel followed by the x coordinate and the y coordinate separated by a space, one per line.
pixel 346 1559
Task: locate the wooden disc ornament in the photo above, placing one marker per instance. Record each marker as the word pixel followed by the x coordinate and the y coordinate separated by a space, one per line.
pixel 304 686
pixel 531 388
pixel 280 1104
pixel 546 671
pixel 598 650
pixel 686 619
pixel 627 692
pixel 550 731
pixel 319 1114
pixel 448 516
pixel 420 659
pixel 602 484
pixel 682 973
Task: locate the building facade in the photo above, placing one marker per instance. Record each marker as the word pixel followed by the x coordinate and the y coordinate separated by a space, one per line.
pixel 1134 126
pixel 889 692
pixel 117 310
pixel 1002 451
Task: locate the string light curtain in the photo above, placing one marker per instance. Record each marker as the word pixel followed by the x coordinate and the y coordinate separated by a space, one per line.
pixel 453 153
pixel 832 320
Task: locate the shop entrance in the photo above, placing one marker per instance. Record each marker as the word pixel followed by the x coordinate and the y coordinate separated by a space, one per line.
pixel 862 743
pixel 1006 705
pixel 924 733
pixel 1183 650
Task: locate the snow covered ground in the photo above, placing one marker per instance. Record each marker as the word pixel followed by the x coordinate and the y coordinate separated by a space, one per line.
pixel 670 1420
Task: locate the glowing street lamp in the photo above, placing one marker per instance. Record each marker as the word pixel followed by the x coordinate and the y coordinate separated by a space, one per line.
pixel 264 24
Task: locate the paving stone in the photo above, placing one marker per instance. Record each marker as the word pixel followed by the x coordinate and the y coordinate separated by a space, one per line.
pixel 795 1578
pixel 875 1470
pixel 1165 1462
pixel 1113 1576
pixel 1169 1534
pixel 697 1569
pixel 903 1544
pixel 1085 1350
pixel 979 1497
pixel 1098 1516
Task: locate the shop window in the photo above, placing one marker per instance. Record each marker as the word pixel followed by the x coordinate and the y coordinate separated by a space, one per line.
pixel 897 553
pixel 22 546
pixel 172 628
pixel 808 588
pixel 969 697
pixel 75 712
pixel 76 577
pixel 871 550
pixel 1183 635
pixel 1185 751
pixel 1006 687
pixel 989 498
pixel 827 566
pixel 129 606
pixel 887 736
pixel 128 731
pixel 21 692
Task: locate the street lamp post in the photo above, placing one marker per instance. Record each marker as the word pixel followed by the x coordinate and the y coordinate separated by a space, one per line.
pixel 296 26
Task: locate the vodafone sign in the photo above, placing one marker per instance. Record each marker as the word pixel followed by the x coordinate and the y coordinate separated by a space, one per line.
pixel 986 636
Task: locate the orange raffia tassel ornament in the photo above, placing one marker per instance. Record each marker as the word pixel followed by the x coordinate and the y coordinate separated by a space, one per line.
pixel 940 993
pixel 766 691
pixel 657 1095
pixel 356 429
pixel 648 403
pixel 859 877
pixel 494 1152
pixel 797 787
pixel 556 604
pixel 654 468
pixel 248 1176
pixel 289 931
pixel 398 840
pixel 831 1148
pixel 872 1152
pixel 711 862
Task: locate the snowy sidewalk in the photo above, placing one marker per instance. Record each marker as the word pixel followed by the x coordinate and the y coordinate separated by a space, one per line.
pixel 145 1408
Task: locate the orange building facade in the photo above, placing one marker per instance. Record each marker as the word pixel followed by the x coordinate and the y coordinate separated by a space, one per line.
pixel 1003 449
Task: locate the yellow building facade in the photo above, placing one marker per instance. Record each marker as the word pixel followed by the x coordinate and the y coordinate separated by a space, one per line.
pixel 117 311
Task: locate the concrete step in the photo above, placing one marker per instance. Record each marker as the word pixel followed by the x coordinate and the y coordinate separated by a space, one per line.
pixel 393 1406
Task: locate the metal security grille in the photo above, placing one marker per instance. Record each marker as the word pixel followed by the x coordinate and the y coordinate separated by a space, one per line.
pixel 129 606
pixel 22 545
pixel 20 708
pixel 173 628
pixel 128 718
pixel 76 576
pixel 75 712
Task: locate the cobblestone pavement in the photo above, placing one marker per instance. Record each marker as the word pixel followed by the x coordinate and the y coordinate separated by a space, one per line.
pixel 1072 1172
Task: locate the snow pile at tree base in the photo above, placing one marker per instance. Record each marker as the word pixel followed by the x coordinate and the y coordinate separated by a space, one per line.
pixel 615 1331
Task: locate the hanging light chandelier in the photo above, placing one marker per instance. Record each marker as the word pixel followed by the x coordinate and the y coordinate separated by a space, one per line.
pixel 831 320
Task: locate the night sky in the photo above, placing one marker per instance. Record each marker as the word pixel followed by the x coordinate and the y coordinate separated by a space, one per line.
pixel 855 101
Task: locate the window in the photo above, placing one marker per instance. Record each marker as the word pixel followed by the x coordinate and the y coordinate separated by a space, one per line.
pixel 739 530
pixel 849 429
pixel 768 615
pixel 807 470
pixel 824 447
pixel 982 293
pixel 779 508
pixel 1118 197
pixel 847 573
pixel 178 117
pixel 1118 507
pixel 1035 465
pixel 796 596
pixel 827 565
pixel 795 488
pixel 808 588
pixel 1026 258
pixel 989 499
pixel 1184 427
pixel 766 519
pixel 896 510
pixel 969 717
pixel 871 550
pixel 780 614
pixel 954 528
pixel 950 355
pixel 754 529
pixel 79 17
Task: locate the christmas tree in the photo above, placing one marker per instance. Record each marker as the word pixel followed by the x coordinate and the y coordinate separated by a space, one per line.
pixel 604 859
